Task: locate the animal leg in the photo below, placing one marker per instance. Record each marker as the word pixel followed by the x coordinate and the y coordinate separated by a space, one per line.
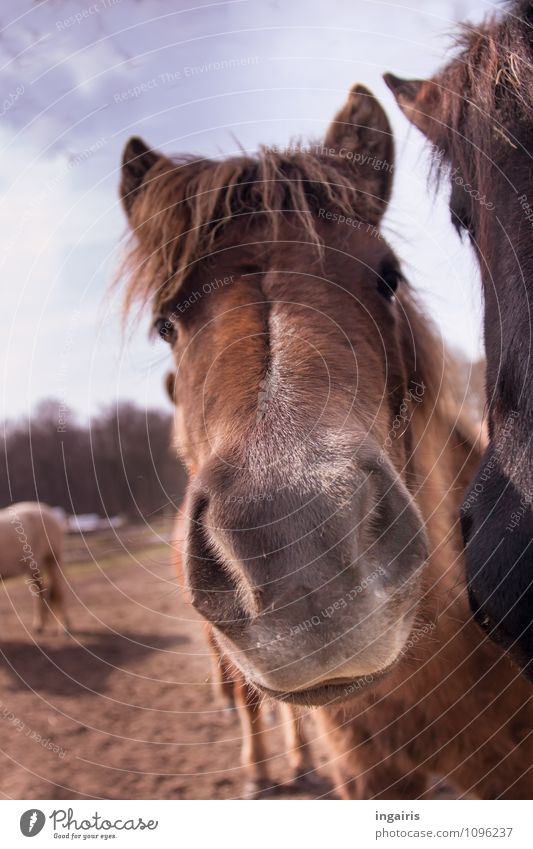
pixel 57 585
pixel 225 683
pixel 222 673
pixel 253 752
pixel 358 779
pixel 361 769
pixel 299 751
pixel 40 606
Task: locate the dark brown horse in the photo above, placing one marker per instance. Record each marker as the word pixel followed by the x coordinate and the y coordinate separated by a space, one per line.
pixel 327 462
pixel 478 114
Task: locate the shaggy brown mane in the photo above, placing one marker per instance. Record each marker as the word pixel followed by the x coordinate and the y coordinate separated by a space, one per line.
pixel 185 206
pixel 486 90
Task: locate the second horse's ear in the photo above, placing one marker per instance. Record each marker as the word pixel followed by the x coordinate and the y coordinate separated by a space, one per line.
pixel 419 100
pixel 170 386
pixel 360 134
pixel 137 160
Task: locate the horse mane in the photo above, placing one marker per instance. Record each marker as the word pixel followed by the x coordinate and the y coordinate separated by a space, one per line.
pixel 486 90
pixel 186 205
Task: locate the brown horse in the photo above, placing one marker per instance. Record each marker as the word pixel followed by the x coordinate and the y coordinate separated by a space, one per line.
pixel 232 689
pixel 31 542
pixel 327 463
pixel 478 115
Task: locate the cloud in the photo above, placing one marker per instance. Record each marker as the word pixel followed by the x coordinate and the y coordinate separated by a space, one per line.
pixel 195 78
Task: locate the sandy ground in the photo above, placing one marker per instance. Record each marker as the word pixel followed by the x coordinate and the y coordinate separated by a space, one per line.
pixel 123 707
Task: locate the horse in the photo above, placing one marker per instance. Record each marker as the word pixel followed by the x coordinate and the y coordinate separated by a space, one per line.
pixel 327 460
pixel 231 688
pixel 477 113
pixel 31 540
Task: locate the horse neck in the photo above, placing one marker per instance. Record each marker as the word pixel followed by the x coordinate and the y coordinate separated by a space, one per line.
pixel 445 457
pixel 507 273
pixel 445 636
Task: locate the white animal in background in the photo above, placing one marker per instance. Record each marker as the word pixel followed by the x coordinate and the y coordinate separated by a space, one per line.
pixel 31 543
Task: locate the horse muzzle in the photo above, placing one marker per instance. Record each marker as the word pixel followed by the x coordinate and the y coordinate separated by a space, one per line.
pixel 312 593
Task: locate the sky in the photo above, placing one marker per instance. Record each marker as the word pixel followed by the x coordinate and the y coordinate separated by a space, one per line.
pixel 78 78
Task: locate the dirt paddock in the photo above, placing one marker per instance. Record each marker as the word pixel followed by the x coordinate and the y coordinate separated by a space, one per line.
pixel 122 707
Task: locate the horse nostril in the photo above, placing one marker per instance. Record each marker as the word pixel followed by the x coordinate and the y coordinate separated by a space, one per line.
pixel 392 529
pixel 203 565
pixel 213 591
pixel 197 515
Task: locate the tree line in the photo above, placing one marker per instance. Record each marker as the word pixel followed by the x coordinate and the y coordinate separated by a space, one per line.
pixel 119 463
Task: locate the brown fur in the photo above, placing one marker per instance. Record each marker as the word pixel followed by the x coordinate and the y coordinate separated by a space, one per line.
pixel 311 324
pixel 232 689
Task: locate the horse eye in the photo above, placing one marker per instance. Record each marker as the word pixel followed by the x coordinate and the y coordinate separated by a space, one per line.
pixel 247 269
pixel 166 329
pixel 388 281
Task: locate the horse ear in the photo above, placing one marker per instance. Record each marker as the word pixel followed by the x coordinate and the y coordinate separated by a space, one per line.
pixel 137 160
pixel 418 99
pixel 361 134
pixel 170 386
